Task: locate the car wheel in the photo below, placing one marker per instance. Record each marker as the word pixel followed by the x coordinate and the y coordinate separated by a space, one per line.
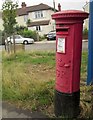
pixel 25 42
pixel 47 38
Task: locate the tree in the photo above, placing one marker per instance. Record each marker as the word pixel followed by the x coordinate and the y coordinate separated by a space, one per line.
pixel 9 14
pixel 28 22
pixel 9 18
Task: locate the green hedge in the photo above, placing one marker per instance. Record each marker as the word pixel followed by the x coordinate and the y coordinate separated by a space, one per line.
pixel 23 30
pixel 85 33
pixel 29 34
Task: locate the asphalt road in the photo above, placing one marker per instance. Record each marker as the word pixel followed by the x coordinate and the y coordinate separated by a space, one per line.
pixel 46 46
pixel 42 46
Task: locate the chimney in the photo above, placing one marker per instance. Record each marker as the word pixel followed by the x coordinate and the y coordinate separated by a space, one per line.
pixel 23 5
pixel 59 7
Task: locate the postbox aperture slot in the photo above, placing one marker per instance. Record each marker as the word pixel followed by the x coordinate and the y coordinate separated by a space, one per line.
pixel 62 30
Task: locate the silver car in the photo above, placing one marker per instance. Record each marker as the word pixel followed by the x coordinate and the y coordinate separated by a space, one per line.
pixel 19 40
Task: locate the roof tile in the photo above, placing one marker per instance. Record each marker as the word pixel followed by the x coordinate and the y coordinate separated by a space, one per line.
pixel 24 11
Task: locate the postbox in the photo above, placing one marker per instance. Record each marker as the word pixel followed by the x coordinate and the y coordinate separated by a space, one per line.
pixel 69 25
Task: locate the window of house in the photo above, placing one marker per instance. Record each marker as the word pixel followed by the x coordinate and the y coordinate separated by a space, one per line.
pixel 25 18
pixel 38 28
pixel 39 14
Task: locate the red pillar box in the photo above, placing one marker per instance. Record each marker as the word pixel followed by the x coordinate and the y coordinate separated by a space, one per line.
pixel 69 25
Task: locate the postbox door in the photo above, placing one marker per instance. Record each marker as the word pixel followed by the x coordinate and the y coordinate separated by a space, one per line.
pixel 64 60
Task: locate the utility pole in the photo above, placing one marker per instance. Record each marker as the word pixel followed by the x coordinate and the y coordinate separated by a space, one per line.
pixel 90 45
pixel 54 6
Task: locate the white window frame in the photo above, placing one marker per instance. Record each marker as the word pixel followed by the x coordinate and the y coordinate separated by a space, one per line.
pixel 25 18
pixel 39 14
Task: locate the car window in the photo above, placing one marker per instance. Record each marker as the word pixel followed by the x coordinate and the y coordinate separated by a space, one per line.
pixel 52 32
pixel 17 37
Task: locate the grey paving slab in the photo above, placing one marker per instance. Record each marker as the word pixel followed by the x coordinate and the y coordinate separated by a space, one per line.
pixel 11 111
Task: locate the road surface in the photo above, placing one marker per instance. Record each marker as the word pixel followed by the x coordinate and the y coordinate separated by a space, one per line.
pixel 46 46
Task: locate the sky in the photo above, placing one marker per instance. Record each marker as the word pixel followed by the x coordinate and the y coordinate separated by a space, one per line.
pixel 65 4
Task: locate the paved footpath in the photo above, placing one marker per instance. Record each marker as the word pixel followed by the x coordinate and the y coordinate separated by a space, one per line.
pixel 10 111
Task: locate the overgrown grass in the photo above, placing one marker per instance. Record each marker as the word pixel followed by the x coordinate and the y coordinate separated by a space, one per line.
pixel 86 92
pixel 23 79
pixel 29 78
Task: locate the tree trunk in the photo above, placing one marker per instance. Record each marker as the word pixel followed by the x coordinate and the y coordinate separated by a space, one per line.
pixel 14 48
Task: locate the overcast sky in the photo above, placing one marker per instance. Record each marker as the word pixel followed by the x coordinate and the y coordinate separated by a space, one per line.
pixel 65 4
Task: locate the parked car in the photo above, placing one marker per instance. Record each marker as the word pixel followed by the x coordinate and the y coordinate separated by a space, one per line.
pixel 51 35
pixel 19 39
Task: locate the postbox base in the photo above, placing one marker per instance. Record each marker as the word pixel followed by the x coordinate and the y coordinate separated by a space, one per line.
pixel 67 105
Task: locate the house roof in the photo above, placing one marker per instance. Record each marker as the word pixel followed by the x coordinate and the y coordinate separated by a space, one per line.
pixel 24 11
pixel 37 23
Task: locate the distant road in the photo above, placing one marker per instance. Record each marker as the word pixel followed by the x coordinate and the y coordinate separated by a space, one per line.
pixel 45 46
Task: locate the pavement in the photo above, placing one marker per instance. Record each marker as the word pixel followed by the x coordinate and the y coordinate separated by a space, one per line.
pixel 11 111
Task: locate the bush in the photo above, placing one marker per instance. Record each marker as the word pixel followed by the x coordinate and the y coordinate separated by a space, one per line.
pixel 23 30
pixel 85 33
pixel 18 28
pixel 29 34
pixel 41 38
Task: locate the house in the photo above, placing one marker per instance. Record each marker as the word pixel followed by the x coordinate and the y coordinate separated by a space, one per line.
pixel 86 9
pixel 39 15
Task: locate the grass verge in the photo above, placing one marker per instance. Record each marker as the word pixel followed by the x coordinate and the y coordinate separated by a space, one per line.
pixel 29 78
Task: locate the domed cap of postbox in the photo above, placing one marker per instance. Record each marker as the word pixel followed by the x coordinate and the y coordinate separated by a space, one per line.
pixel 70 14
